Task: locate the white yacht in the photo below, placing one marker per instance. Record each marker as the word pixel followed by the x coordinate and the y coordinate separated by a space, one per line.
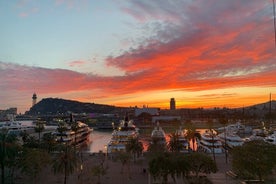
pixel 16 128
pixel 230 139
pixel 271 138
pixel 122 135
pixel 181 134
pixel 235 128
pixel 158 135
pixel 68 136
pixel 209 142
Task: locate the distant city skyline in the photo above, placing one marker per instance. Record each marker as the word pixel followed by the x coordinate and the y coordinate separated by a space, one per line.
pixel 133 53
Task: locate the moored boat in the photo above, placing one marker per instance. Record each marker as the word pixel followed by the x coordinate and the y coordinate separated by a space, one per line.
pixel 122 135
pixel 271 138
pixel 235 128
pixel 65 134
pixel 230 139
pixel 209 142
pixel 181 136
pixel 158 135
pixel 16 128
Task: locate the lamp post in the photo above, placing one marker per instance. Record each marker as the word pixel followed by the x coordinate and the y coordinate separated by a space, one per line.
pixel 225 145
pixel 213 144
pixel 105 147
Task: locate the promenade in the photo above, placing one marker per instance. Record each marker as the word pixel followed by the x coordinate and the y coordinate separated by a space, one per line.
pixel 132 173
pixel 221 175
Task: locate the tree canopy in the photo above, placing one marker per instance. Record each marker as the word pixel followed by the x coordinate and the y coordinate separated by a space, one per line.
pixel 175 165
pixel 8 151
pixel 254 160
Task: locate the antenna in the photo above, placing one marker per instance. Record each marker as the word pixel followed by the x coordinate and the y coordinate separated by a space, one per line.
pixel 270 106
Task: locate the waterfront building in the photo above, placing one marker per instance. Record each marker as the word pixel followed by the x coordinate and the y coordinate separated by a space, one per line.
pixel 145 109
pixel 8 113
pixel 165 118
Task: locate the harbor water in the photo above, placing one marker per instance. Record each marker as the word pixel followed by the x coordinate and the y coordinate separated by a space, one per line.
pixel 98 141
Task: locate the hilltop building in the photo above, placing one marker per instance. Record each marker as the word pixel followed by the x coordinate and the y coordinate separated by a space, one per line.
pixel 172 104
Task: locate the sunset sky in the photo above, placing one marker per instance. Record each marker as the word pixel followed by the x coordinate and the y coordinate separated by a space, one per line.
pixel 203 53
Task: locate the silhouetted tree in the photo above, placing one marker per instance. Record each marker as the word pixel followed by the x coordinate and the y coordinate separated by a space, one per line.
pixel 65 161
pixel 174 145
pixel 156 148
pixel 8 151
pixel 162 166
pixel 39 128
pixel 48 142
pixel 135 147
pixel 75 127
pixel 62 127
pixel 191 135
pixel 255 159
pixel 99 171
pixel 201 163
pixel 32 161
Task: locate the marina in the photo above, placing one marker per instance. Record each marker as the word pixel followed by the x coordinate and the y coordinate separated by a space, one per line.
pixel 99 139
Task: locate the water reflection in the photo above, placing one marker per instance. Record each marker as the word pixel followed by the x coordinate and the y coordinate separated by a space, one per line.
pixel 99 139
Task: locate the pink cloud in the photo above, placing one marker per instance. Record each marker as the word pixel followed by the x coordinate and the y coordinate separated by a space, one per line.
pixel 72 4
pixel 23 14
pixel 77 63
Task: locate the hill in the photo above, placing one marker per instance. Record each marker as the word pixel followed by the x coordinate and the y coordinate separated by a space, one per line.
pixel 52 106
pixel 264 106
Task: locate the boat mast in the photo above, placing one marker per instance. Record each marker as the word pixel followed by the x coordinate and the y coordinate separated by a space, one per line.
pixel 274 20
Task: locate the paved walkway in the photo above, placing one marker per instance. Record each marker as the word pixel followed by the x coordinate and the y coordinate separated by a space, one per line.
pixel 116 174
pixel 223 168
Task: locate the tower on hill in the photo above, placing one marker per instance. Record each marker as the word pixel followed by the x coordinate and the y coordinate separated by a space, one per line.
pixel 34 99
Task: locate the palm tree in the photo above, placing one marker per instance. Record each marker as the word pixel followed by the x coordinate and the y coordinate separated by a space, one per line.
pixel 174 144
pixel 8 151
pixel 210 125
pixel 99 171
pixel 48 142
pixel 75 127
pixel 39 128
pixel 62 127
pixel 135 147
pixel 224 122
pixel 191 135
pixel 32 161
pixel 65 161
pixel 155 148
pixel 124 158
